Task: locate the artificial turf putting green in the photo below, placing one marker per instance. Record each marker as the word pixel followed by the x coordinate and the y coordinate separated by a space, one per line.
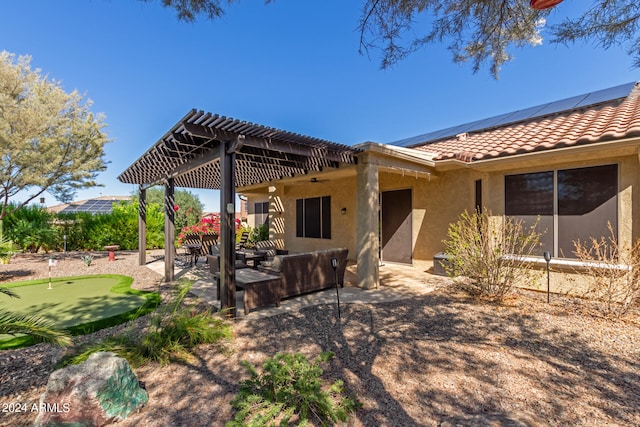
pixel 81 304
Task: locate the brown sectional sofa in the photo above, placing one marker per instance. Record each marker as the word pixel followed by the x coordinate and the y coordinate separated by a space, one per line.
pixel 306 272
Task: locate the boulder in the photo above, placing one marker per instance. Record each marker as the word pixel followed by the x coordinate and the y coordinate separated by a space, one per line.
pixel 101 390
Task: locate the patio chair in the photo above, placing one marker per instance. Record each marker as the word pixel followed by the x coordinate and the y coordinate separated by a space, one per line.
pixel 213 260
pixel 191 239
pixel 208 240
pixel 243 240
pixel 192 245
pixel 183 256
pixel 269 248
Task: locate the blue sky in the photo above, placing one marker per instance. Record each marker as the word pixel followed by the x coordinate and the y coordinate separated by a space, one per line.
pixel 292 65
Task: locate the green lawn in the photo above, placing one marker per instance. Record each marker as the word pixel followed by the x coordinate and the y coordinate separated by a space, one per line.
pixel 80 304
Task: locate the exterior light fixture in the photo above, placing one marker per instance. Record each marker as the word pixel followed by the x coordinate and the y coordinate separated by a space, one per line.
pixel 547 258
pixel 334 265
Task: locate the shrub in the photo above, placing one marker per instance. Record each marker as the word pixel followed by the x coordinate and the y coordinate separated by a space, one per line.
pixel 490 255
pixel 259 234
pixel 288 388
pixel 6 247
pixel 613 273
pixel 30 228
pixel 174 330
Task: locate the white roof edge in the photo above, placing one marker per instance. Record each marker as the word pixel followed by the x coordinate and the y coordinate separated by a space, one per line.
pixel 394 150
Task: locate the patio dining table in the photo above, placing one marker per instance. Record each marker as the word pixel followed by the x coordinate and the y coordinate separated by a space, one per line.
pixel 194 251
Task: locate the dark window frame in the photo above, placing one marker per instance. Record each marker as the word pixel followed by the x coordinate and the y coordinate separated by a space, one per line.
pixel 313 217
pixel 571 203
pixel 261 213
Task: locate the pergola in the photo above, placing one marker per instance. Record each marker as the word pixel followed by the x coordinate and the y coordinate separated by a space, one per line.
pixel 210 151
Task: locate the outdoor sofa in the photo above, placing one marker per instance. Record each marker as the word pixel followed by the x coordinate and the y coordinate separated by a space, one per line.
pixel 269 248
pixel 306 272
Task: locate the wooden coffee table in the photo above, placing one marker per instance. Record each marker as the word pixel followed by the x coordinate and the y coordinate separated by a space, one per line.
pixel 254 257
pixel 260 289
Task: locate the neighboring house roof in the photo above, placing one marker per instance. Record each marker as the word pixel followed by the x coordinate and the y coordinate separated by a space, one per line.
pixel 102 204
pixel 601 116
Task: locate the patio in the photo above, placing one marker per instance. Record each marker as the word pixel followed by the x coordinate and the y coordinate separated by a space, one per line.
pixel 397 282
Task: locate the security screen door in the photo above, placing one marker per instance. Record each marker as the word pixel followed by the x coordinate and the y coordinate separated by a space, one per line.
pixel 396 235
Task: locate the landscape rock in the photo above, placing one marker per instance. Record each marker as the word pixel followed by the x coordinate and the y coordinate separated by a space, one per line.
pixel 99 391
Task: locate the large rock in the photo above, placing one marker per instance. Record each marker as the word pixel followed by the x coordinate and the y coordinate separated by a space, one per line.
pixel 101 390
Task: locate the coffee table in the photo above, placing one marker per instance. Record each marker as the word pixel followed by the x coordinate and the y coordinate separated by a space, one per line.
pixel 260 289
pixel 255 257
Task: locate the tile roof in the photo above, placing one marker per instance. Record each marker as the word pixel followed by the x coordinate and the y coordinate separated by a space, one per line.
pixel 605 121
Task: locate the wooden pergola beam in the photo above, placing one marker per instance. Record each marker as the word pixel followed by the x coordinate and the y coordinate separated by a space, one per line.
pixel 313 152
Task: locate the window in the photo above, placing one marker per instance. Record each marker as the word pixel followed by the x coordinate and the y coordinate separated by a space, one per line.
pixel 313 217
pixel 572 204
pixel 478 195
pixel 261 213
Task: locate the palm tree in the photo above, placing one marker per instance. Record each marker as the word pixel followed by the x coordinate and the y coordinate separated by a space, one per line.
pixel 38 328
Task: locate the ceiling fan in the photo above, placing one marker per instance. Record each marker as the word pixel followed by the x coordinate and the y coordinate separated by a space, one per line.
pixel 315 180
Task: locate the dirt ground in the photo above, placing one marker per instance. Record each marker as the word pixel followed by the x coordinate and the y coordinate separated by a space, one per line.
pixel 440 359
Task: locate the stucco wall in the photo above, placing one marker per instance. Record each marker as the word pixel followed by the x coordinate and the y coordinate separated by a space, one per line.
pixel 282 215
pixel 437 201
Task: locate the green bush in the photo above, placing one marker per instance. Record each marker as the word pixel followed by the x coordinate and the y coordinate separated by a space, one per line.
pixel 85 231
pixel 290 388
pixel 489 253
pixel 30 228
pixel 259 234
pixel 6 247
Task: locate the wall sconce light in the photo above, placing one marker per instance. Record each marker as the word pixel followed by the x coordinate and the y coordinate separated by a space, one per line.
pixel 343 211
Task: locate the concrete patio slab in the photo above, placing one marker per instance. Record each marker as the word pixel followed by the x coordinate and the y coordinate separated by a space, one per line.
pixel 396 282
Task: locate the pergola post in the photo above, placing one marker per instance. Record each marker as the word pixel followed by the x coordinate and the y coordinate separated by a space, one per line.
pixel 227 229
pixel 142 227
pixel 169 231
pixel 367 190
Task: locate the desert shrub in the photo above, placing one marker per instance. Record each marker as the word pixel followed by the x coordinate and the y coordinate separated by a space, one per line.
pixel 289 388
pixel 490 256
pixel 612 272
pixel 174 329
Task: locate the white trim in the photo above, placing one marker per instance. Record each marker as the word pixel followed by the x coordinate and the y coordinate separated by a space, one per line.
pixel 564 262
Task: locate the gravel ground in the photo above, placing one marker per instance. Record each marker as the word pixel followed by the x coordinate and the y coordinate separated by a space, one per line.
pixel 443 359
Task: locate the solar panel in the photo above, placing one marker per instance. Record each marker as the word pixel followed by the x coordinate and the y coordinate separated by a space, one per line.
pixel 93 206
pixel 566 104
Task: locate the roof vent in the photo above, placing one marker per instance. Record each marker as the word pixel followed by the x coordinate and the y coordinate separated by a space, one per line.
pixel 465 156
pixel 462 136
